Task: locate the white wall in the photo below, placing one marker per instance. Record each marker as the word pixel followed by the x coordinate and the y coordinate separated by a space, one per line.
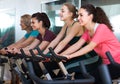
pixel 21 7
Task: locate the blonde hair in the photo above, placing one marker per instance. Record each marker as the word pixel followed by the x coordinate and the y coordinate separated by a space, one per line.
pixel 27 20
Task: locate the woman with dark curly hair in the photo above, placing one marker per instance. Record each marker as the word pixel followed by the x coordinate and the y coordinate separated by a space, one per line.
pixel 99 36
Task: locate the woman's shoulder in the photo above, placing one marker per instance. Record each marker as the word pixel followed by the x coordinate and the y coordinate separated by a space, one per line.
pixel 102 28
pixel 49 35
pixel 49 32
pixel 102 25
pixel 77 27
pixel 34 33
pixel 76 24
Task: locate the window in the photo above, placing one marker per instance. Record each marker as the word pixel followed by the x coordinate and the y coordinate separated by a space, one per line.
pixel 52 7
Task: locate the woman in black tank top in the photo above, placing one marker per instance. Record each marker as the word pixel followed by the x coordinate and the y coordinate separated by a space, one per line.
pixel 70 29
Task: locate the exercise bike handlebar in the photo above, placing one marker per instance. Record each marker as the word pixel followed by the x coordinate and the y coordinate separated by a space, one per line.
pixel 14 56
pixel 55 56
pixel 111 59
pixel 35 58
pixel 41 53
pixel 3 60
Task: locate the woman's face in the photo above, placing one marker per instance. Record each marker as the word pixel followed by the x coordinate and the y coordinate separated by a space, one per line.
pixel 65 13
pixel 35 24
pixel 23 26
pixel 83 17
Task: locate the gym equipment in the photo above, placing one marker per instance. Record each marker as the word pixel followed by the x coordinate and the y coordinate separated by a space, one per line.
pixel 44 70
pixel 28 64
pixel 16 69
pixel 88 79
pixel 59 59
pixel 104 74
pixel 112 60
pixel 114 64
pixel 2 68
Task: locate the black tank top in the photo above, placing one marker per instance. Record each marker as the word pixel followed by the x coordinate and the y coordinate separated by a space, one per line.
pixel 75 39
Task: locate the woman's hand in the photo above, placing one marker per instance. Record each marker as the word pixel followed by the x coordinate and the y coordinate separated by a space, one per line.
pixel 15 50
pixel 3 51
pixel 27 53
pixel 67 56
pixel 9 51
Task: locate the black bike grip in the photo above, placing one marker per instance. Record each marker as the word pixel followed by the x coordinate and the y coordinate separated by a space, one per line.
pixel 3 60
pixel 56 56
pixel 110 57
pixel 40 52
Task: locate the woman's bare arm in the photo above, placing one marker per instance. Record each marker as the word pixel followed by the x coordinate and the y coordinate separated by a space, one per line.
pixel 74 31
pixel 32 45
pixel 26 42
pixel 83 50
pixel 42 46
pixel 56 40
pixel 16 43
pixel 74 47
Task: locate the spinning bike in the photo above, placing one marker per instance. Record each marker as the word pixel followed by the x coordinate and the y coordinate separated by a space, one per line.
pixel 88 79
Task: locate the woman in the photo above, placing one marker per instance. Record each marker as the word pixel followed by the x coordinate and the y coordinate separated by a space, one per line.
pixel 100 37
pixel 28 38
pixel 70 32
pixel 40 22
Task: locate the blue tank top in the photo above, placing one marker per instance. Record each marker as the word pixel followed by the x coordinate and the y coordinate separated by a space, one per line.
pixel 33 33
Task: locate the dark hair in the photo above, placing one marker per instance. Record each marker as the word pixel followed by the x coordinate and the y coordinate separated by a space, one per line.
pixel 99 15
pixel 72 9
pixel 42 17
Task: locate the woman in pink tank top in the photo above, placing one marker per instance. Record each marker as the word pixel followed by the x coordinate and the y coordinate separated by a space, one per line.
pixel 100 37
